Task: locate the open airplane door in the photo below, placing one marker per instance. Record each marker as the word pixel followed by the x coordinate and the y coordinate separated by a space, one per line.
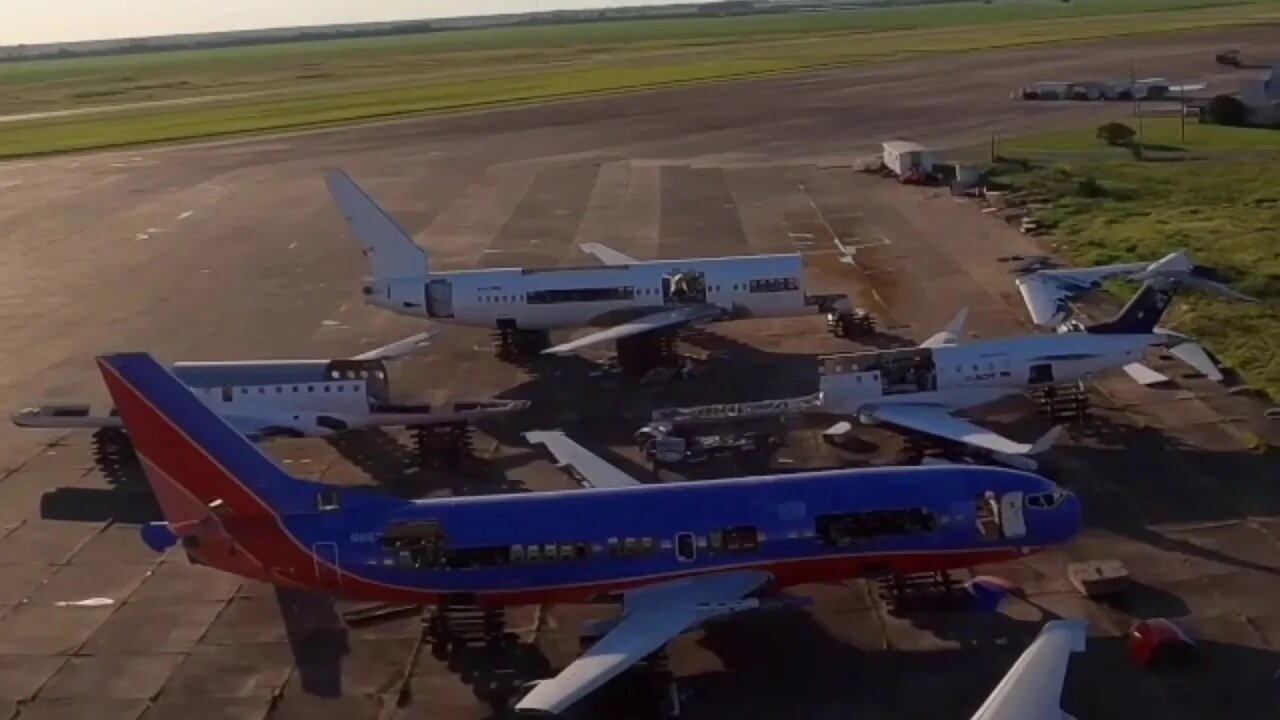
pixel 1013 522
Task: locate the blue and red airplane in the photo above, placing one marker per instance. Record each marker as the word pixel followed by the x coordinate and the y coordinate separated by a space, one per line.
pixel 673 555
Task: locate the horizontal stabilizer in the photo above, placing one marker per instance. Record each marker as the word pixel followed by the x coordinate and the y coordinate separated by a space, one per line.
pixel 607 255
pixel 1195 356
pixel 399 348
pixel 64 415
pixel 1144 375
pixel 1047 440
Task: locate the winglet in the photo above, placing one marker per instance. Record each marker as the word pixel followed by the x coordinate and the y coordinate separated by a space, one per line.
pixel 191 456
pixel 1047 440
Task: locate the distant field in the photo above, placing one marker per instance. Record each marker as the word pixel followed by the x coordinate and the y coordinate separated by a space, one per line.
pixel 1224 211
pixel 273 87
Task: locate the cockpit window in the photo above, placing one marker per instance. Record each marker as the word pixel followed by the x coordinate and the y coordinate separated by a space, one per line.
pixel 1046 501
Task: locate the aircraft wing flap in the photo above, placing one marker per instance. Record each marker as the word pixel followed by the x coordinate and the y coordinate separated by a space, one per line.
pixel 646 323
pixel 1032 689
pixel 608 255
pixel 590 469
pixel 934 420
pixel 652 616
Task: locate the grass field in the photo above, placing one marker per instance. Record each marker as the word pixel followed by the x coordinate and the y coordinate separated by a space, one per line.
pixel 1224 211
pixel 272 87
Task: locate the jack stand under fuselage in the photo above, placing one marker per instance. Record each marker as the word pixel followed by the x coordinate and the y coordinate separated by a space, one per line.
pixel 513 344
pixel 1063 403
pixel 638 354
pixel 930 590
pixel 449 445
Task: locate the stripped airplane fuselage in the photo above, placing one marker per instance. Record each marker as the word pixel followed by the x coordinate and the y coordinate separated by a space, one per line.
pixel 958 377
pixel 234 509
pixel 757 286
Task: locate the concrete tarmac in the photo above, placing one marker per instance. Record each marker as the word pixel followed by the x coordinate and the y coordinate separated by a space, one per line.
pixel 232 250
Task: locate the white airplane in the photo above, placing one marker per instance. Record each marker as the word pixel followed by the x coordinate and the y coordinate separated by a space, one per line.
pixel 1031 690
pixel 920 388
pixel 636 302
pixel 292 398
pixel 1048 293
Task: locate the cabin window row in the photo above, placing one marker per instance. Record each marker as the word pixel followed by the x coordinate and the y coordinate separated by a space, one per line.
pixel 227 392
pixel 843 529
pixel 431 554
pixel 774 285
pixel 356 374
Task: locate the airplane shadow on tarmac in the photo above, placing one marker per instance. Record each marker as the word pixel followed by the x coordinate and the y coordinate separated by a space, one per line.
pixel 318 639
pixel 784 663
pixel 128 498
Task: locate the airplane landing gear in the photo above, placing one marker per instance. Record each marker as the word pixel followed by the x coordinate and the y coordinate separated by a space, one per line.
pixel 1064 403
pixel 511 343
pixel 639 354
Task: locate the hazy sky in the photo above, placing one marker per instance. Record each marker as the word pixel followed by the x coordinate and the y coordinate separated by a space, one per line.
pixel 40 21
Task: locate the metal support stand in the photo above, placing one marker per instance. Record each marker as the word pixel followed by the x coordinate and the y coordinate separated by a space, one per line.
pixel 1064 403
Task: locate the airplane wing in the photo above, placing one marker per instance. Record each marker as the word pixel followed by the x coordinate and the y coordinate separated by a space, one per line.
pixel 1032 689
pixel 651 617
pixel 586 466
pixel 1046 292
pixel 934 420
pixel 949 335
pixel 608 255
pixel 399 348
pixel 646 323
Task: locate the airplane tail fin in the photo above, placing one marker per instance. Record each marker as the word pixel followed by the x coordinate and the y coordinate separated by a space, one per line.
pixel 391 251
pixel 194 460
pixel 1047 440
pixel 1141 314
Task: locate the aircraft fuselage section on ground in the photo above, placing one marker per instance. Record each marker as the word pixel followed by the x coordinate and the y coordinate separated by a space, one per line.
pixel 969 375
pixel 579 546
pixel 555 298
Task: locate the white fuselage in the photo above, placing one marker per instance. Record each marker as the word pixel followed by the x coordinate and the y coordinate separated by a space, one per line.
pixel 552 298
pixel 973 374
pixel 309 398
